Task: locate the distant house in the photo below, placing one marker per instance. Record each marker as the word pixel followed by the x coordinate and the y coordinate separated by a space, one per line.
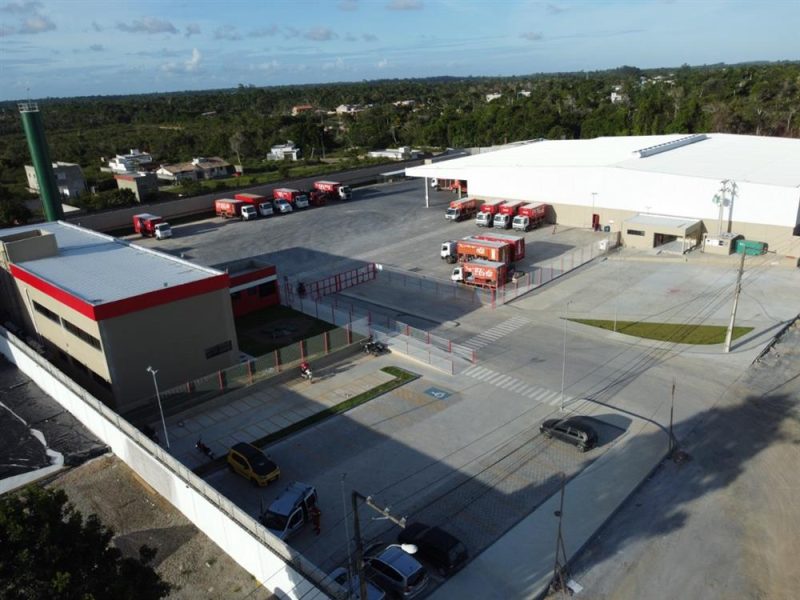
pixel 69 179
pixel 142 184
pixel 131 162
pixel 200 168
pixel 526 93
pixel 405 103
pixel 401 153
pixel 289 151
pixel 493 96
pixel 301 108
pixel 349 109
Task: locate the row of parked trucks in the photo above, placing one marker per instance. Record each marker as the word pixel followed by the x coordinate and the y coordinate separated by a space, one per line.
pixel 485 260
pixel 247 206
pixel 500 214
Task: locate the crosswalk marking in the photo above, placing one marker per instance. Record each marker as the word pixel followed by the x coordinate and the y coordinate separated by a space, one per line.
pixel 513 385
pixel 495 333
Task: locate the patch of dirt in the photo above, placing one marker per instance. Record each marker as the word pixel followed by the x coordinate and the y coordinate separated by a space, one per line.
pixel 194 565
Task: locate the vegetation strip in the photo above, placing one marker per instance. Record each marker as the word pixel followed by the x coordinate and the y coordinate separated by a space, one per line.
pixel 401 377
pixel 679 333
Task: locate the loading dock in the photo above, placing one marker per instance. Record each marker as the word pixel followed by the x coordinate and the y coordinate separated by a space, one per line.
pixel 651 231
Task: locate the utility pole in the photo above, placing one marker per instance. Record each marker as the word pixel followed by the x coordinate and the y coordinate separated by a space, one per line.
pixel 672 444
pixel 729 334
pixel 559 582
pixel 384 512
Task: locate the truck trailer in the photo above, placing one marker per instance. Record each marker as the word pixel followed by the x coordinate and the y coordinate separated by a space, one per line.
pixel 334 189
pixel 262 204
pixel 464 208
pixel 294 197
pixel 148 225
pixel 530 216
pixel 487 212
pixel 506 214
pixel 516 243
pixel 232 209
pixel 481 273
pixel 470 249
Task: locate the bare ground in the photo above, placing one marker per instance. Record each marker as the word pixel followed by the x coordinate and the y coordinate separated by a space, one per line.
pixel 194 565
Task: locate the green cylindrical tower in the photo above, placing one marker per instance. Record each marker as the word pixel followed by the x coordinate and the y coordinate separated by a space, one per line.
pixel 40 154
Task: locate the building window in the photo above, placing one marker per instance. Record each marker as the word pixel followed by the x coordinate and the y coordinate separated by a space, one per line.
pixel 634 232
pixel 219 349
pixel 80 333
pixel 266 289
pixel 46 312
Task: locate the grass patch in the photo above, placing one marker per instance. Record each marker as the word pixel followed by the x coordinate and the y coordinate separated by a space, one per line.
pixel 401 377
pixel 679 333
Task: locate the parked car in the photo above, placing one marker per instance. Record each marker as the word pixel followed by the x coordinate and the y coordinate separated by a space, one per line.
pixel 570 430
pixel 342 577
pixel 396 571
pixel 282 206
pixel 443 551
pixel 252 464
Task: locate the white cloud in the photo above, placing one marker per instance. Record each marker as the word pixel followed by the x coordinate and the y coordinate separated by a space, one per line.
pixel 147 25
pixel 404 5
pixel 531 36
pixel 227 32
pixel 383 63
pixel 96 26
pixel 337 65
pixel 21 8
pixel 193 64
pixel 369 37
pixel 97 47
pixel 320 34
pixel 264 31
pixel 192 29
pixel 37 24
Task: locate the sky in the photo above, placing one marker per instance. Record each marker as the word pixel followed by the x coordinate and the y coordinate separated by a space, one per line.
pixel 51 48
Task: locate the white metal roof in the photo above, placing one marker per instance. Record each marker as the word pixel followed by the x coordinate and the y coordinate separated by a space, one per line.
pixel 662 221
pixel 743 158
pixel 99 268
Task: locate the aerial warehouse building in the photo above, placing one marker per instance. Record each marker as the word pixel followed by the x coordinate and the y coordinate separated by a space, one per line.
pixel 40 155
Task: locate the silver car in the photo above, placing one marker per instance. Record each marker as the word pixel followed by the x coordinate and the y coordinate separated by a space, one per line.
pixel 396 571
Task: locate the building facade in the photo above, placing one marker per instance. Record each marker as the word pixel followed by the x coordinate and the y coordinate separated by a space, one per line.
pixel 143 185
pixel 69 179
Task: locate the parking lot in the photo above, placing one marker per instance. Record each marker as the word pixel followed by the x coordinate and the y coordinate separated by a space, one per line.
pixel 471 459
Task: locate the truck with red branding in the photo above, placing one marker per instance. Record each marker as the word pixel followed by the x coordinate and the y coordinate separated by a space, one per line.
pixel 506 214
pixel 317 198
pixel 529 216
pixel 464 208
pixel 294 197
pixel 262 204
pixel 516 242
pixel 334 189
pixel 470 249
pixel 148 225
pixel 482 273
pixel 487 212
pixel 458 186
pixel 234 209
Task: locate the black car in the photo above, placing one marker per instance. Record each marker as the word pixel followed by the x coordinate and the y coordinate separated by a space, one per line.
pixel 571 430
pixel 442 550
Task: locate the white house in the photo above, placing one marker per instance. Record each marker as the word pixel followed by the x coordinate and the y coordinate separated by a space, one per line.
pixel 69 179
pixel 289 151
pixel 131 162
pixel 401 153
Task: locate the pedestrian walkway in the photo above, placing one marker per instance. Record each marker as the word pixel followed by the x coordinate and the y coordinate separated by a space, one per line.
pixel 267 407
pixel 513 385
pixel 495 333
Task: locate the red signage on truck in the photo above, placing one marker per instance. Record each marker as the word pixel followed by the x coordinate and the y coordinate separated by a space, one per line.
pixel 515 242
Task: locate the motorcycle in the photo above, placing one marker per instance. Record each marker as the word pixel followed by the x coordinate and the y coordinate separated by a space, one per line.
pixel 204 449
pixel 374 347
pixel 305 373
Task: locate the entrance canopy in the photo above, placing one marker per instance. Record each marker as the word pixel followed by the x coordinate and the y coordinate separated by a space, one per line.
pixel 649 231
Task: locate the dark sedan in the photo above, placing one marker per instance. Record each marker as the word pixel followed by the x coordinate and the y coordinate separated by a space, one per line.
pixel 443 551
pixel 571 430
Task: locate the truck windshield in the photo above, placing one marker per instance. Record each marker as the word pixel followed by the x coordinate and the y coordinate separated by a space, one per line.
pixel 452 212
pixel 275 521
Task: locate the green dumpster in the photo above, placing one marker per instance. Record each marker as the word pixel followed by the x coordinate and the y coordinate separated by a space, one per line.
pixel 751 247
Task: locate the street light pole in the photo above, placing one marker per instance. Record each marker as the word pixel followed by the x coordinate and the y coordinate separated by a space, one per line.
pixel 153 372
pixel 564 361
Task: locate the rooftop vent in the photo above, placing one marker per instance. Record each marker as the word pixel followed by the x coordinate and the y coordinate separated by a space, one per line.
pixel 667 146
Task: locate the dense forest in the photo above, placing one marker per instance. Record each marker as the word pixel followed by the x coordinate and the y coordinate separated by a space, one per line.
pixel 756 99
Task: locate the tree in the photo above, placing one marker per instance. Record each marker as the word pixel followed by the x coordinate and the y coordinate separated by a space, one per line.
pixel 238 143
pixel 108 199
pixel 13 213
pixel 49 551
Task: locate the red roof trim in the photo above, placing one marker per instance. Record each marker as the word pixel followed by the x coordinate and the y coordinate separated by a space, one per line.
pixel 118 308
pixel 252 275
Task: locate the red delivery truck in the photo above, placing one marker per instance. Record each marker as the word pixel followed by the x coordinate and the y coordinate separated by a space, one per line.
pixel 506 214
pixel 530 216
pixel 471 248
pixel 458 185
pixel 294 197
pixel 262 204
pixel 334 189
pixel 464 208
pixel 317 198
pixel 232 209
pixel 148 225
pixel 516 242
pixel 487 212
pixel 482 273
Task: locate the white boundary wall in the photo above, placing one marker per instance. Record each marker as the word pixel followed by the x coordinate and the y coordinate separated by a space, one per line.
pixel 236 532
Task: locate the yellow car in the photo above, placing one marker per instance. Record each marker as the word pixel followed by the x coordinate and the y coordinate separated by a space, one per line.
pixel 252 464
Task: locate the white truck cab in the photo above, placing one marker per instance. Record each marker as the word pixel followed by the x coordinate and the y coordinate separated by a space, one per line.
pixel 502 221
pixel 249 212
pixel 162 231
pixel 265 209
pixel 521 223
pixel 448 251
pixel 483 219
pixel 290 510
pixel 301 201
